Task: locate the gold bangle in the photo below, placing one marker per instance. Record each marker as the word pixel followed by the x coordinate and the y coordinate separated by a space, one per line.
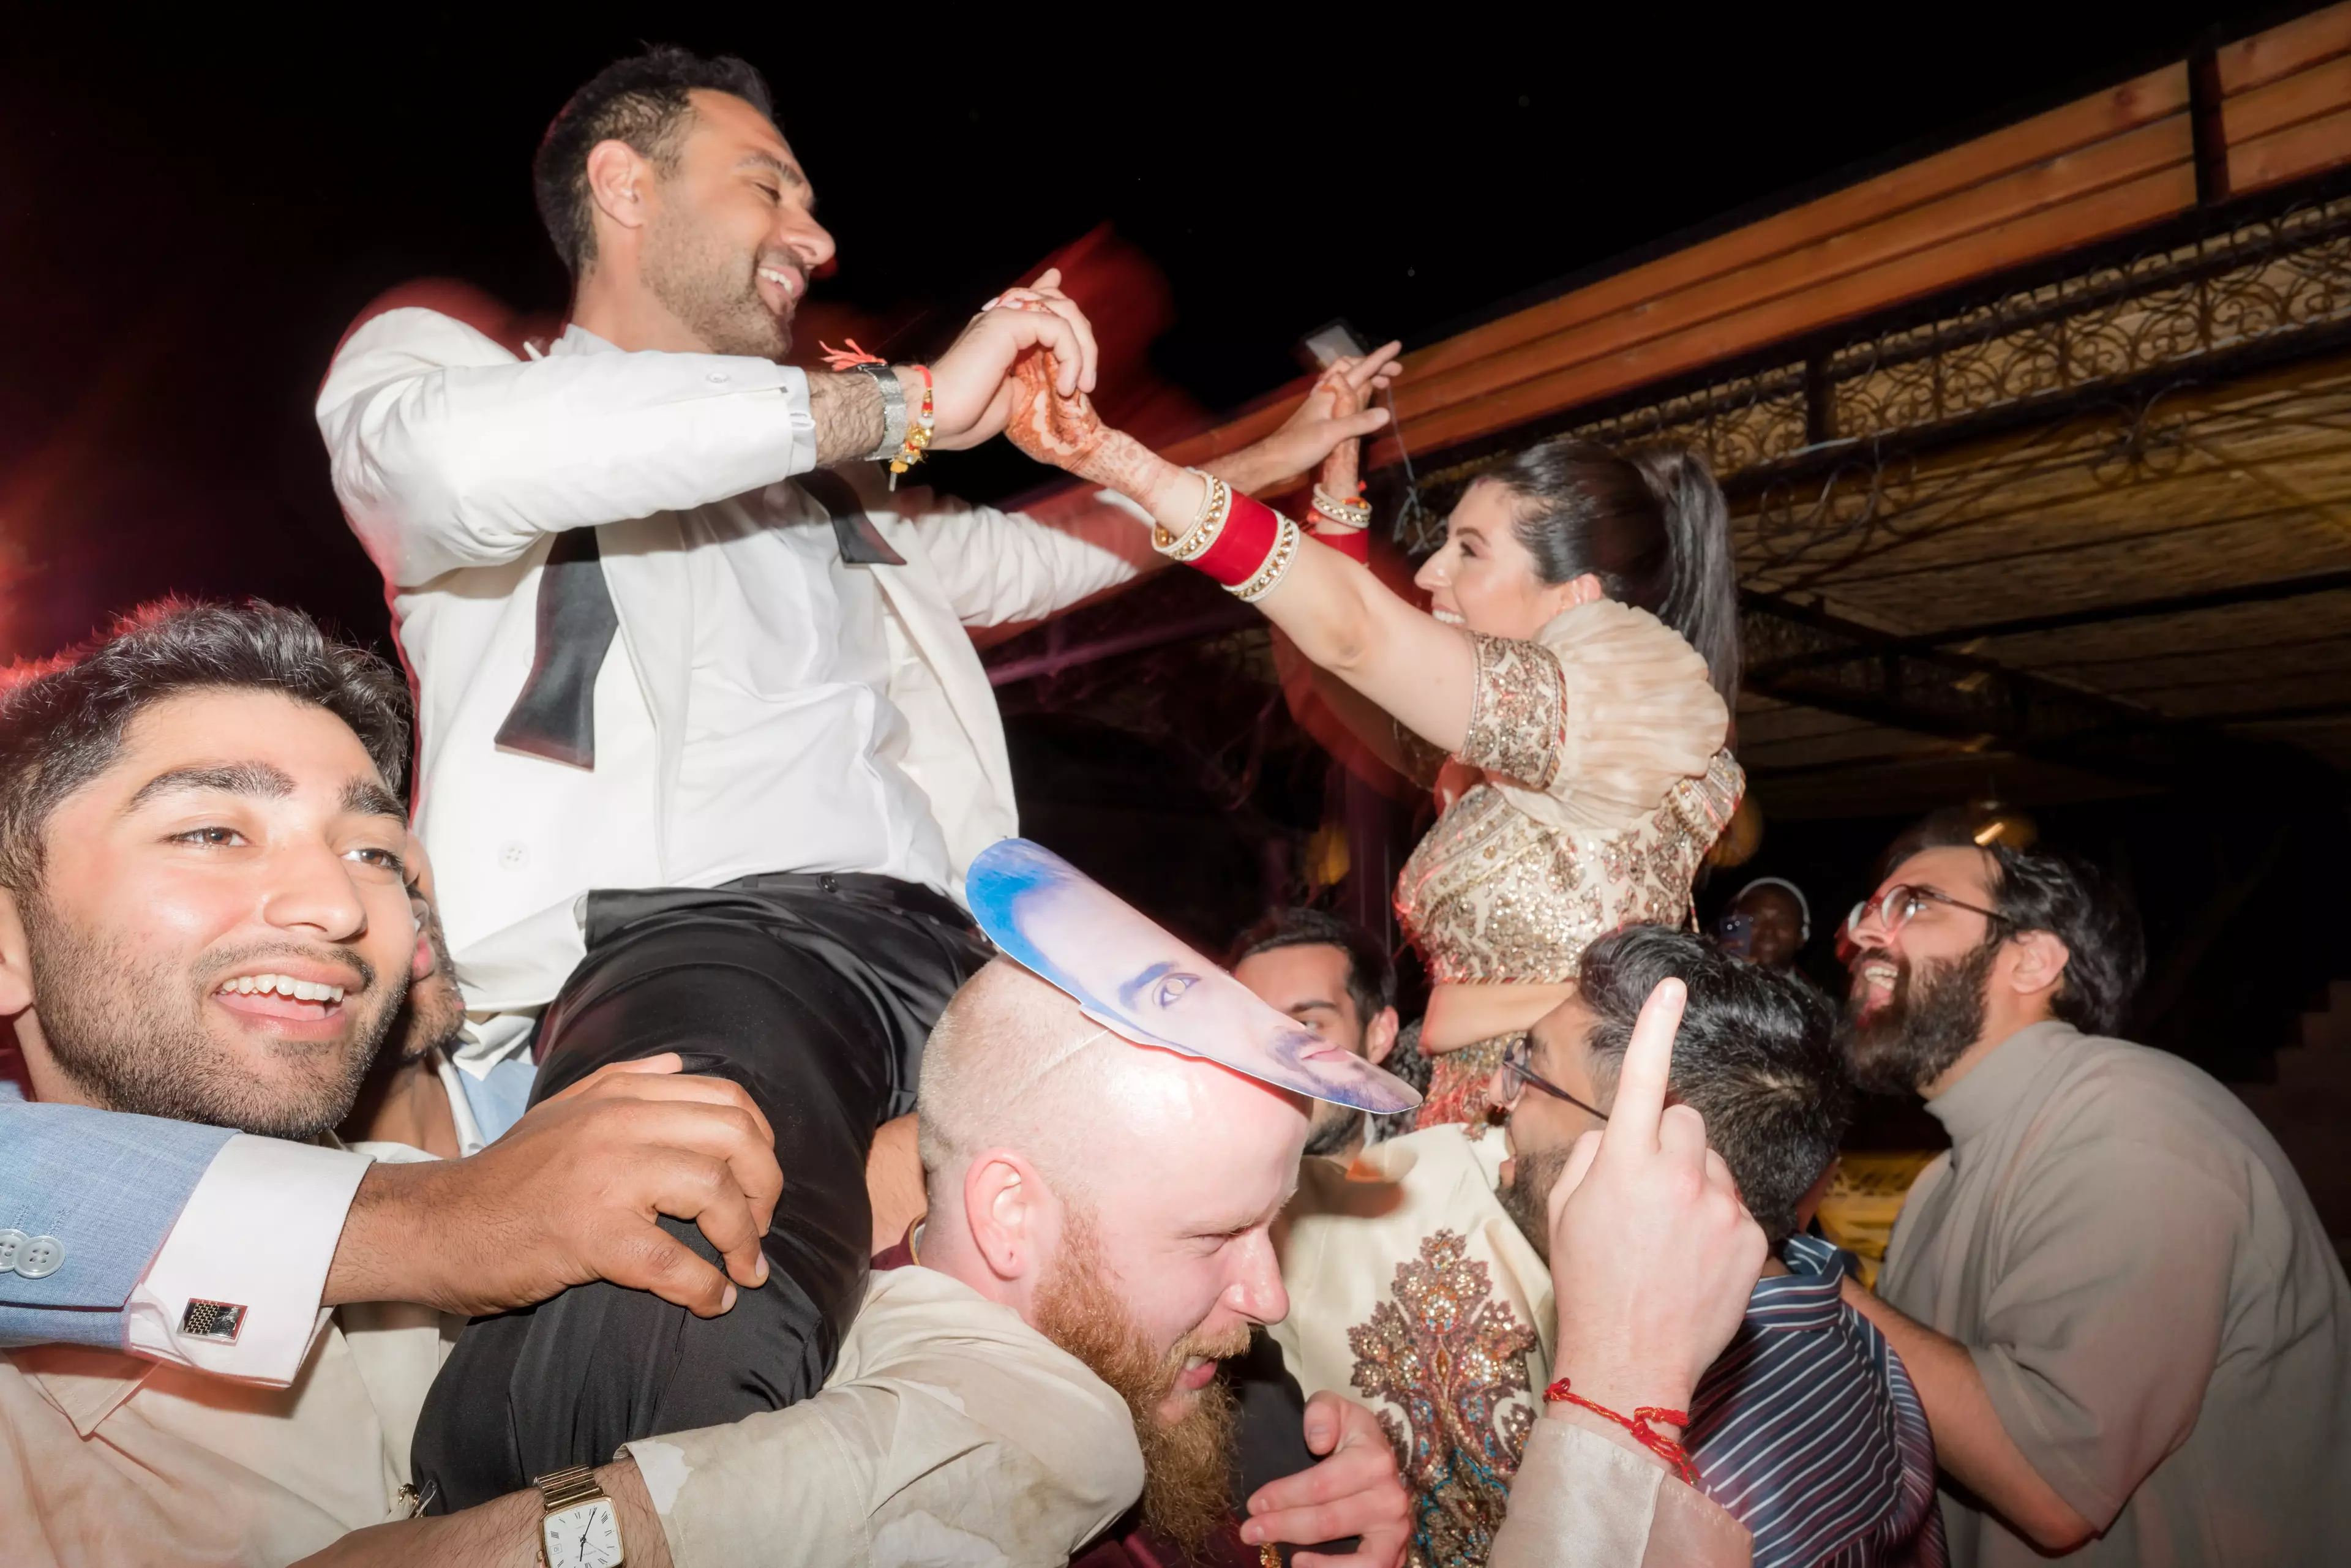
pixel 1275 564
pixel 1340 513
pixel 1161 539
pixel 1196 540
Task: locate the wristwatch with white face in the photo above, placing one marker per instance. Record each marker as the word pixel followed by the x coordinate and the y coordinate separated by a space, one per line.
pixel 579 1529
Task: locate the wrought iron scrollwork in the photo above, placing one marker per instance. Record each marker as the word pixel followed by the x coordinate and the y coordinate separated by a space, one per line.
pixel 1820 452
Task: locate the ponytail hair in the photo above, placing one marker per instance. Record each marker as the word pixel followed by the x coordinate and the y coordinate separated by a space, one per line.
pixel 1651 524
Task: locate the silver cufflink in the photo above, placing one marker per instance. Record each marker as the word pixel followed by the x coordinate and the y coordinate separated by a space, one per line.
pixel 212 1320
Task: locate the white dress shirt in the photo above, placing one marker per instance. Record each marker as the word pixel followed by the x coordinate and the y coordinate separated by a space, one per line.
pixel 454 458
pixel 259 1232
pixel 766 709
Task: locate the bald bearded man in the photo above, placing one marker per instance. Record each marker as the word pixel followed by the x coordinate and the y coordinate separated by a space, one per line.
pixel 1097 1238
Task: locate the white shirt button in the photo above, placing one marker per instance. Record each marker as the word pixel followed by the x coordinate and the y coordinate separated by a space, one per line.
pixel 717 375
pixel 513 857
pixel 12 1247
pixel 40 1258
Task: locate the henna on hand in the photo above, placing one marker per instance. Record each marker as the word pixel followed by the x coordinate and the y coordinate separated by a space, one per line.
pixel 1343 466
pixel 1066 433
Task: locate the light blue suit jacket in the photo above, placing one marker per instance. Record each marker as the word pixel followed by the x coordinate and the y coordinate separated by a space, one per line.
pixel 109 1186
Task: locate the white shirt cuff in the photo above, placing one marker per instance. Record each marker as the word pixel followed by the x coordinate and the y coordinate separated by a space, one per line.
pixel 257 1234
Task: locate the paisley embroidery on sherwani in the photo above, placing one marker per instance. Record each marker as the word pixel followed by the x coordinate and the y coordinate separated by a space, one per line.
pixel 1450 1358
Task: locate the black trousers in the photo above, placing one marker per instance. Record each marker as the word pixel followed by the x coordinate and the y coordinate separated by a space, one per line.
pixel 814 993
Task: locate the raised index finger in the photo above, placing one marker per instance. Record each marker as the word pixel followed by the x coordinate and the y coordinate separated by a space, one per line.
pixel 1632 1128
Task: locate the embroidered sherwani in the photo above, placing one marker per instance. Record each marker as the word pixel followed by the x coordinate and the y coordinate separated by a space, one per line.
pixel 1606 780
pixel 1412 1291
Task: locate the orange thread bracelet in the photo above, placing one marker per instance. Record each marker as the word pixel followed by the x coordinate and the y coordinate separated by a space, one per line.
pixel 1664 1447
pixel 848 358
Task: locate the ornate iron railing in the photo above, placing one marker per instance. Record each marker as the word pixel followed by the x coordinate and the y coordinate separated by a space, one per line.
pixel 1799 435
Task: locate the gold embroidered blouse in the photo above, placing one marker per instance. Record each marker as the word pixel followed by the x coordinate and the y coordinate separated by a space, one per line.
pixel 1606 780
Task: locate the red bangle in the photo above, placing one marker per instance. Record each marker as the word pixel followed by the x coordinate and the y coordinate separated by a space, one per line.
pixel 1664 1447
pixel 1356 544
pixel 1247 538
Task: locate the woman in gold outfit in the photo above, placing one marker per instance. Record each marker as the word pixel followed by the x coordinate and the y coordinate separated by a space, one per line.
pixel 1578 660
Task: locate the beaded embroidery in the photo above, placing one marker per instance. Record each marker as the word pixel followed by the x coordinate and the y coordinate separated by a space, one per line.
pixel 1452 1360
pixel 1491 895
pixel 1517 716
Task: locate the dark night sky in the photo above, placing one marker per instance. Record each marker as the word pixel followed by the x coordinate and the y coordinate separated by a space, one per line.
pixel 190 216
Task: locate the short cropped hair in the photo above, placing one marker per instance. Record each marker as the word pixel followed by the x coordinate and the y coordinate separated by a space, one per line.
pixel 644 100
pixel 1756 1056
pixel 62 721
pixel 1012 1063
pixel 1370 973
pixel 2051 890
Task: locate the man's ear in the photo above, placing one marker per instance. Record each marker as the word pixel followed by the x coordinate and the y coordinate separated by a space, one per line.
pixel 1011 1213
pixel 618 176
pixel 1381 1038
pixel 15 958
pixel 2038 967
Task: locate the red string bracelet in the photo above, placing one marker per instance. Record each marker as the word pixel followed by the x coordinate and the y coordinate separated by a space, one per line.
pixel 1664 1447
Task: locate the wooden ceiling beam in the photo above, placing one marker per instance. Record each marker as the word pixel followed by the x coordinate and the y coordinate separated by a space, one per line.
pixel 1802 654
pixel 2134 609
pixel 2088 171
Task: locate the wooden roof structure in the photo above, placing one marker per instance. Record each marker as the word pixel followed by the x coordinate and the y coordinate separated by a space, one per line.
pixel 2039 448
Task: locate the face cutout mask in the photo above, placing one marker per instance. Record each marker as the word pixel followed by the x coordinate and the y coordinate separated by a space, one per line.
pixel 1142 984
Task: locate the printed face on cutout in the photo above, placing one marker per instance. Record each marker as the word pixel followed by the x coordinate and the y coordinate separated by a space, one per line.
pixel 1138 980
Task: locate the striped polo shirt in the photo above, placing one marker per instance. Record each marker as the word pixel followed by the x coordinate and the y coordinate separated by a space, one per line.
pixel 1808 1431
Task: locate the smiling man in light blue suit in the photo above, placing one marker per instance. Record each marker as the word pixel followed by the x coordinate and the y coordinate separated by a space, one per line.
pixel 181 1240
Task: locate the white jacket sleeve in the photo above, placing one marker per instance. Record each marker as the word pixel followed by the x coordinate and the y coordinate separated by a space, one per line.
pixel 999 567
pixel 447 451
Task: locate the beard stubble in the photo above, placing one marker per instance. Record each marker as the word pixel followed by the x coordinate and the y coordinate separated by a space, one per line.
pixel 1331 1134
pixel 714 293
pixel 1526 1197
pixel 110 1020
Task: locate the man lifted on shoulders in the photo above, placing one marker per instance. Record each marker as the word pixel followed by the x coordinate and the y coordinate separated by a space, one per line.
pixel 705 743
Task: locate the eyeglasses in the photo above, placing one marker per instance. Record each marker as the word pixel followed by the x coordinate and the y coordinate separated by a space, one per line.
pixel 1898 904
pixel 1517 1074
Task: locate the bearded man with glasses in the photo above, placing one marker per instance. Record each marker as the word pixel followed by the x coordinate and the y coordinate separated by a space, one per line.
pixel 2125 1318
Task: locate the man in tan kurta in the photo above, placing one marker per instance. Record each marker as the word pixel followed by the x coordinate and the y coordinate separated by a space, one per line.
pixel 107 1458
pixel 2130 1331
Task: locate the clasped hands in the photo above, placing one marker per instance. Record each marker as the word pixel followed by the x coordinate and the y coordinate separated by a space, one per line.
pixel 1026 363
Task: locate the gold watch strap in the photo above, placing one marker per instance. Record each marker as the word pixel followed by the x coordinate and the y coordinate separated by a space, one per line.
pixel 563 1488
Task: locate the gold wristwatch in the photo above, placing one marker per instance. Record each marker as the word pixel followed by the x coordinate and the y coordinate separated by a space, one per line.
pixel 579 1528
